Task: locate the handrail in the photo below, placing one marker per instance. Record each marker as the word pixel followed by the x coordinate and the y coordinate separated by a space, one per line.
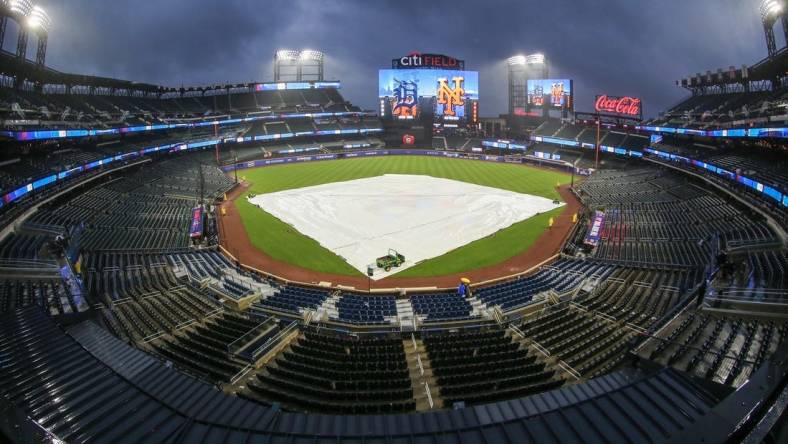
pixel 185 324
pixel 568 368
pixel 541 349
pixel 732 291
pixel 241 373
pixel 274 340
pixel 153 336
pixel 252 331
pixel 517 330
pixel 27 264
pixel 429 394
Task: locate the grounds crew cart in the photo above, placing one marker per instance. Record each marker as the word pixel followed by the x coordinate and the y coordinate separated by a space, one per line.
pixel 392 259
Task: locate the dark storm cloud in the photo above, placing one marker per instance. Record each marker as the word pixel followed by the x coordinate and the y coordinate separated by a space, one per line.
pixel 608 46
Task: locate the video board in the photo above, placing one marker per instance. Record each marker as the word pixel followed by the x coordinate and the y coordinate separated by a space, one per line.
pixel 406 93
pixel 550 93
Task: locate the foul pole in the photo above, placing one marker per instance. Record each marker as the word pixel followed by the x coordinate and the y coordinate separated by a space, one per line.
pixel 598 129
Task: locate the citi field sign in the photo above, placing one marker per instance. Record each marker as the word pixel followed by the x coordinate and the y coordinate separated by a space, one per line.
pixel 427 61
pixel 621 106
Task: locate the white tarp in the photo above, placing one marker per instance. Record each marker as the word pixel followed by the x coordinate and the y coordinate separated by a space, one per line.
pixel 421 217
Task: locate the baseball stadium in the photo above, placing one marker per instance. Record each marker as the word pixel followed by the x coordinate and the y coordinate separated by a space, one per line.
pixel 489 250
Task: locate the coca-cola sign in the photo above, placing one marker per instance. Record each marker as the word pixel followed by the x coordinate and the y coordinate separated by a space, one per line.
pixel 623 106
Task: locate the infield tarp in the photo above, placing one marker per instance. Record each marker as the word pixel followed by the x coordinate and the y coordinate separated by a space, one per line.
pixel 421 217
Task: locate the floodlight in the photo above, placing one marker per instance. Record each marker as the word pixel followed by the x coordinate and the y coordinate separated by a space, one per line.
pixel 308 54
pixel 20 8
pixel 535 59
pixel 770 10
pixel 287 54
pixel 306 64
pixel 516 60
pixel 39 20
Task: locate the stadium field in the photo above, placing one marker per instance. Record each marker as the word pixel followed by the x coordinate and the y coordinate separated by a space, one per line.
pixel 280 241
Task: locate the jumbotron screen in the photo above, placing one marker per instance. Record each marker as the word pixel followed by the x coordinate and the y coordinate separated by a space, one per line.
pixel 550 93
pixel 404 92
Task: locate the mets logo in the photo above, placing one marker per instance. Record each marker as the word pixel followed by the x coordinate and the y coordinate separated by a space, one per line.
pixel 451 97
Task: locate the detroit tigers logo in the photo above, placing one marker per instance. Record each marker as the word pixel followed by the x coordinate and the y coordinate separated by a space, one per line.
pixel 405 102
pixel 451 97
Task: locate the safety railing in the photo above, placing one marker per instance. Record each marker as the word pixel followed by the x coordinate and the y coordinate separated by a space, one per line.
pixel 241 373
pixel 429 394
pixel 253 332
pixel 273 341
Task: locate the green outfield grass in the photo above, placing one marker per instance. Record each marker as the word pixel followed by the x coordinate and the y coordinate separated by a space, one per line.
pixel 280 241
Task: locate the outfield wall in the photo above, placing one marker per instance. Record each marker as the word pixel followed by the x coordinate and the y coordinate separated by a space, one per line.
pixel 400 152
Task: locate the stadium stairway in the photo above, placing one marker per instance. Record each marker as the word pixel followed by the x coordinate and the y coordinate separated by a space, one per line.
pixel 405 315
pixel 328 309
pixel 421 375
pixel 479 308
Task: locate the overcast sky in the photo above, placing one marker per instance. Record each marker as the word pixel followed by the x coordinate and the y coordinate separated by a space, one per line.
pixel 617 47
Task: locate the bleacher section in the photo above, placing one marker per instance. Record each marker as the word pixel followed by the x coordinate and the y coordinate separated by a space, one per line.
pixel 558 276
pixel 364 309
pixel 202 349
pixel 716 110
pixel 97 111
pixel 27 249
pixel 149 210
pixel 660 219
pixel 485 366
pixel 158 313
pixel 86 385
pixel 725 349
pixel 338 374
pixel 441 306
pixel 49 293
pixel 637 297
pixel 294 299
pixel 585 344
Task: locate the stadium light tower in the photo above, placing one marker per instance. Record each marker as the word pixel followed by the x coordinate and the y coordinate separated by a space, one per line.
pixel 521 68
pixel 770 11
pixel 298 66
pixel 20 10
pixel 39 22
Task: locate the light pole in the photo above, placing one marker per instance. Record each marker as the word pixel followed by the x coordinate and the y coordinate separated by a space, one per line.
pixel 598 130
pixel 235 166
pixel 572 184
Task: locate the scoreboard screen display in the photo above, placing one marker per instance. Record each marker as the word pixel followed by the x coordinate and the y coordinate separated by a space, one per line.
pixel 550 93
pixel 406 93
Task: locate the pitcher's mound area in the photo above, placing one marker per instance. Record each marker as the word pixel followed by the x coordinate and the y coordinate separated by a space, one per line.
pixel 420 217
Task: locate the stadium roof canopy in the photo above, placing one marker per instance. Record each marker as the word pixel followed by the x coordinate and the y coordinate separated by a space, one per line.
pixel 12 66
pixel 768 68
